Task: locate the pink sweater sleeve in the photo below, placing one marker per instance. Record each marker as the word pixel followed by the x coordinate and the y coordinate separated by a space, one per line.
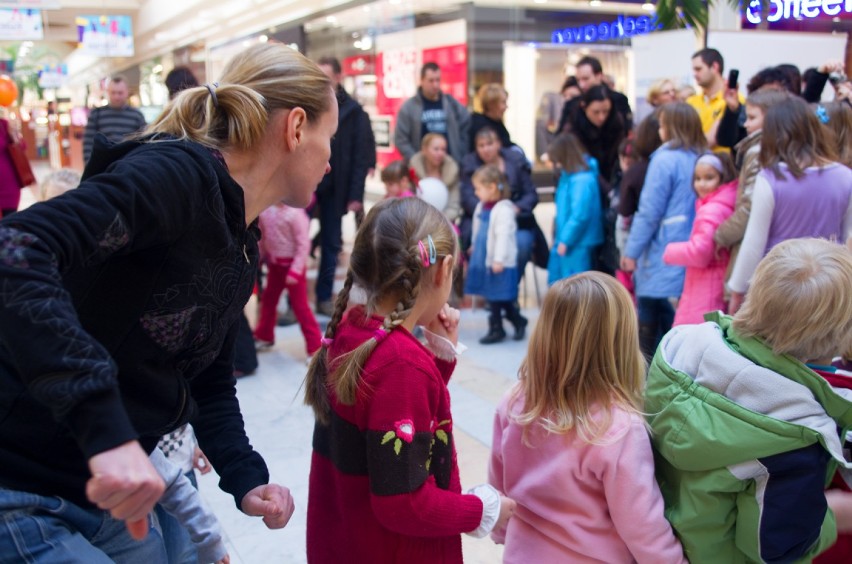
pixel 699 250
pixel 634 499
pixel 495 466
pixel 300 226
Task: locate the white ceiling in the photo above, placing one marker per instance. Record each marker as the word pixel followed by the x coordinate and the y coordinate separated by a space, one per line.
pixel 163 25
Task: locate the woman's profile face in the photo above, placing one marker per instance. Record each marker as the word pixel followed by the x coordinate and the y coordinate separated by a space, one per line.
pixel 488 149
pixel 597 112
pixel 310 157
pixel 496 109
pixel 436 151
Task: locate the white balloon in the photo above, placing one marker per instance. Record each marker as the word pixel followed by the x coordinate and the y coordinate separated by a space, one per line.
pixel 433 191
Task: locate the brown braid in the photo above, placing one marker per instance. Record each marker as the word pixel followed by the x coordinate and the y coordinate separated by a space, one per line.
pixel 385 262
pixel 316 392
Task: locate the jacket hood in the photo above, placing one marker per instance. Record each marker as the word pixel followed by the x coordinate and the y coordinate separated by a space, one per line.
pixel 729 409
pixel 105 153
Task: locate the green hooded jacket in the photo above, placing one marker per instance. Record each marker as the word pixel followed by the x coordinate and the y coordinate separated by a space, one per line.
pixel 745 441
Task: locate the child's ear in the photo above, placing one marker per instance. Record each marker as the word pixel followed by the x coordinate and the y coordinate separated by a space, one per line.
pixel 444 272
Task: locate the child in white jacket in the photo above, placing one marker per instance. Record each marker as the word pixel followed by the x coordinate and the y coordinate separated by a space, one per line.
pixel 493 271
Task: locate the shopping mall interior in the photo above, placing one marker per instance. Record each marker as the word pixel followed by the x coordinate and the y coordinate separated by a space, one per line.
pixel 61 52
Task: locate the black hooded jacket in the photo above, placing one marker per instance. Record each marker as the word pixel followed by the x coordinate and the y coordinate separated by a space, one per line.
pixel 118 310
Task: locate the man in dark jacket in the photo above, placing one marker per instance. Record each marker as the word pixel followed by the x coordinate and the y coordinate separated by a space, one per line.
pixel 589 74
pixel 353 154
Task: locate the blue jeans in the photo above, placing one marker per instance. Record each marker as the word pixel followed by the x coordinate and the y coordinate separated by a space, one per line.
pixel 38 529
pixel 656 316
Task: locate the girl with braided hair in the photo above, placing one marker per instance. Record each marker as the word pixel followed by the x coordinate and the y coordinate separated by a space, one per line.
pixel 384 482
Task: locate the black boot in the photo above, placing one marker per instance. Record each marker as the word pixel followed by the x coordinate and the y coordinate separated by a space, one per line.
pixel 519 321
pixel 495 331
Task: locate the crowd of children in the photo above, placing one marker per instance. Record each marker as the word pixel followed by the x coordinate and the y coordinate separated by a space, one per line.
pixel 721 455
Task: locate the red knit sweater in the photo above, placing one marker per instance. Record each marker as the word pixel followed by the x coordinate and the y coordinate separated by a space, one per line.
pixel 384 483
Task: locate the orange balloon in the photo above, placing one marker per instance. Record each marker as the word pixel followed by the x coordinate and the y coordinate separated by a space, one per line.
pixel 8 91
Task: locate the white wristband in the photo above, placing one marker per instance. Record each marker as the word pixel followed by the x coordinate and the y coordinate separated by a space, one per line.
pixel 490 509
pixel 442 347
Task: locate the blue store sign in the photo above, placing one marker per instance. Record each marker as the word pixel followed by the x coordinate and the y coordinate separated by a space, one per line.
pixel 624 26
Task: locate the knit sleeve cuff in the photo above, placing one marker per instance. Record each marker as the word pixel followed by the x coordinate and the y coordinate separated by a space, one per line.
pixel 442 347
pixel 490 509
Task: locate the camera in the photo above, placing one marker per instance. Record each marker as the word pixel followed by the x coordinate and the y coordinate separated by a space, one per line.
pixel 837 77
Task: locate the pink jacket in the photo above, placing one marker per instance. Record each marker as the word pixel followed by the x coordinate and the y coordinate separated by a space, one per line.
pixel 580 502
pixel 284 236
pixel 704 285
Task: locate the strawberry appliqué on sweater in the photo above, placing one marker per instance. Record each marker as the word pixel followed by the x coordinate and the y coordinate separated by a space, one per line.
pixel 403 435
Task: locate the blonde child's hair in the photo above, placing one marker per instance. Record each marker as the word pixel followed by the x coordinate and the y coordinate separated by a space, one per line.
pixel 491 174
pixel 234 113
pixel 583 358
pixel 386 262
pixel 58 182
pixel 800 300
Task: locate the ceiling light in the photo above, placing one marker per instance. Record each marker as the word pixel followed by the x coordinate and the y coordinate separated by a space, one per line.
pixel 595 3
pixel 648 7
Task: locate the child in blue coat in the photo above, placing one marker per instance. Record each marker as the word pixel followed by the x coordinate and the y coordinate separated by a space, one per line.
pixel 578 228
pixel 665 215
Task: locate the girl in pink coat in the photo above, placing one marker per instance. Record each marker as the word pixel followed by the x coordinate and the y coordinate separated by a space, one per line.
pixel 703 288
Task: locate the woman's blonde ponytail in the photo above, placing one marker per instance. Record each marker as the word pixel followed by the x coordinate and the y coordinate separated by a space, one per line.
pixel 256 83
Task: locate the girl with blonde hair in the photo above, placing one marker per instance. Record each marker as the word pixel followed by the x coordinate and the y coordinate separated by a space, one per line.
pixel 570 443
pixel 384 483
pixel 141 274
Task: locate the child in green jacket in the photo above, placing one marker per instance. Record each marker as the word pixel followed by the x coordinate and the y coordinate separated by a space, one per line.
pixel 746 436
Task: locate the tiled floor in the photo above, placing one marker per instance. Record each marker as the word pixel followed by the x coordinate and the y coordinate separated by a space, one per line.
pixel 280 427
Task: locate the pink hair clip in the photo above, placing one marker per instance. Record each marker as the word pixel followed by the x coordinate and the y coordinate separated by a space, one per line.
pixel 326 342
pixel 430 256
pixel 424 254
pixel 379 334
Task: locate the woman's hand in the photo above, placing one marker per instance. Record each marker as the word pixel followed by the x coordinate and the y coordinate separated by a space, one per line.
pixel 446 324
pixel 561 249
pixel 270 501
pixel 497 267
pixel 125 483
